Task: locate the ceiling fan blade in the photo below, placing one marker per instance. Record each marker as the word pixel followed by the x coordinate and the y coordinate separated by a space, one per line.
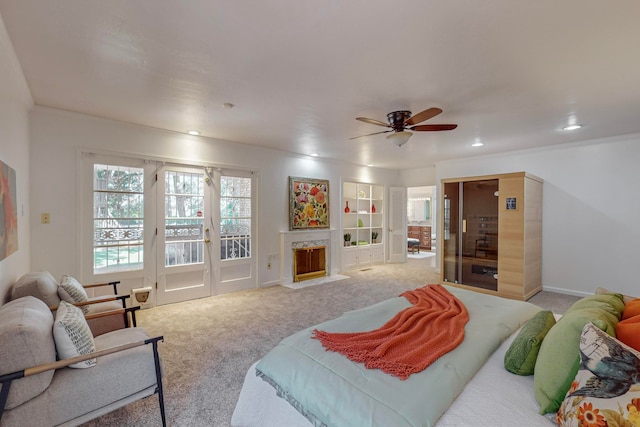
pixel 369 134
pixel 433 127
pixel 422 116
pixel 373 122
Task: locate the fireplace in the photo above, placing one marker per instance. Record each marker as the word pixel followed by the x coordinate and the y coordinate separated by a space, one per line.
pixel 309 263
pixel 291 241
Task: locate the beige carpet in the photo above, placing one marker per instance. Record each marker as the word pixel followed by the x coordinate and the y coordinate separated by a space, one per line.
pixel 211 342
pixel 420 255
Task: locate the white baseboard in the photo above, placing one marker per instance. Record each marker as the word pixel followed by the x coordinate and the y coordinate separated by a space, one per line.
pixel 269 284
pixel 567 291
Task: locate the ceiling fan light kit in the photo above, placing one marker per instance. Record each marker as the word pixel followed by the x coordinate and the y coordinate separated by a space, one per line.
pixel 401 122
pixel 399 138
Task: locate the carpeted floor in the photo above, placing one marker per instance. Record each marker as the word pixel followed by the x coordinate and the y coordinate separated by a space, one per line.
pixel 420 255
pixel 211 342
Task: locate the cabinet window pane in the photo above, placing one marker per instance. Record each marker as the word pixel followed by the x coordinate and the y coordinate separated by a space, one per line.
pixel 235 217
pixel 118 218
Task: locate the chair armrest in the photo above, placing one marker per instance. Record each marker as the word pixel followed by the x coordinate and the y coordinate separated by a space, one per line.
pixel 131 310
pixel 113 284
pixel 98 301
pixel 6 379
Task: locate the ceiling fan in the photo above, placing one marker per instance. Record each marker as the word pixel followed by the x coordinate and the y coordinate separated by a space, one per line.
pixel 400 122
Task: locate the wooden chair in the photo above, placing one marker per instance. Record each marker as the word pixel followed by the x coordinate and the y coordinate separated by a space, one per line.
pixel 103 313
pixel 38 390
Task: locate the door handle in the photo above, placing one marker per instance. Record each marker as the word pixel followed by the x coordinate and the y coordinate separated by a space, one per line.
pixel 207 240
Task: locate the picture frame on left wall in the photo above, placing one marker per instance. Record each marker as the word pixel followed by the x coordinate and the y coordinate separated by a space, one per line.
pixel 308 203
pixel 8 211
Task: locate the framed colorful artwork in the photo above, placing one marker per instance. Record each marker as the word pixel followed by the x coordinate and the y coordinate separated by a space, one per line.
pixel 308 203
pixel 8 211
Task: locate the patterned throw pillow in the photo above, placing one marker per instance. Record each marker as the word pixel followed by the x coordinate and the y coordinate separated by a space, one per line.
pixel 72 335
pixel 604 391
pixel 70 290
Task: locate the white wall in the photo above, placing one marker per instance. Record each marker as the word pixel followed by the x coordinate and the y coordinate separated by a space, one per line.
pixel 57 137
pixel 15 102
pixel 590 232
pixel 418 177
pixel 591 201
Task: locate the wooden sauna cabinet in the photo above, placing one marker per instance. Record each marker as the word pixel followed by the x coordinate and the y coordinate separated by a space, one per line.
pixel 491 234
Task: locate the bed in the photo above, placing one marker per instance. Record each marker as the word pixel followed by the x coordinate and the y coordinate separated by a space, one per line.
pixel 460 388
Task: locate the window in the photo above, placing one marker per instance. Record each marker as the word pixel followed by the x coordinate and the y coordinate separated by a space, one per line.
pixel 184 218
pixel 118 218
pixel 235 217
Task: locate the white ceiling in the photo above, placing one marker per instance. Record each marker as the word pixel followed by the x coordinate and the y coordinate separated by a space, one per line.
pixel 510 73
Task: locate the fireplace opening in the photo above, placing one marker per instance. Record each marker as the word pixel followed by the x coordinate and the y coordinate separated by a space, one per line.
pixel 309 263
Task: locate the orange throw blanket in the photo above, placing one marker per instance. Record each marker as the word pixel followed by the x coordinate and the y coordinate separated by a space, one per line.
pixel 413 339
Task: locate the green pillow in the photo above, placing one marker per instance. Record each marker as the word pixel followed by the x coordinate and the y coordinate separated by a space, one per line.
pixel 559 356
pixel 521 356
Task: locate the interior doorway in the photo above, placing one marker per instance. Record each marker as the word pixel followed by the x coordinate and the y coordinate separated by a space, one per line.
pixel 421 222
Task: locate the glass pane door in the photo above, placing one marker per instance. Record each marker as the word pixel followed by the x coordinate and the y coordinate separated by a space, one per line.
pixel 480 234
pixel 470 227
pixel 184 227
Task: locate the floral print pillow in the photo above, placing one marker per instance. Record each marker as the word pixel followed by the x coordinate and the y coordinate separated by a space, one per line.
pixel 606 390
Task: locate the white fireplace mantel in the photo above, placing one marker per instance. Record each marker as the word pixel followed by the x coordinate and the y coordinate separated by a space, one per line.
pixel 301 239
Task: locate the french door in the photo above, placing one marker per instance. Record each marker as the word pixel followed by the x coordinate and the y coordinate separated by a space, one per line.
pixel 184 229
pixel 236 213
pixel 188 232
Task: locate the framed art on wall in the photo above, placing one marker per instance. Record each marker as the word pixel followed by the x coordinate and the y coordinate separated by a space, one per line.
pixel 8 211
pixel 308 203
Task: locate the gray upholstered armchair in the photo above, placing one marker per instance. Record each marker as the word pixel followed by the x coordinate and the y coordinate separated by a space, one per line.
pixel 39 390
pixel 103 313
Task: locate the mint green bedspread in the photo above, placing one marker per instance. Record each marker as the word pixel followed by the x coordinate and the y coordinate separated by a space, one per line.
pixel 331 390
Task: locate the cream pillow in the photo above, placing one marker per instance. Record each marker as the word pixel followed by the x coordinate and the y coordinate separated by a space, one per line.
pixel 70 290
pixel 72 335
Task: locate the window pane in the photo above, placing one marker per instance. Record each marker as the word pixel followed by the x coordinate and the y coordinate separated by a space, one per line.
pixel 235 186
pixel 235 207
pixel 235 217
pixel 184 221
pixel 118 218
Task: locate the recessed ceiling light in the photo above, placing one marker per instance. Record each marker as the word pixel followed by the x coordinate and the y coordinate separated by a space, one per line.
pixel 314 154
pixel 193 132
pixel 572 127
pixel 477 144
pixel 369 166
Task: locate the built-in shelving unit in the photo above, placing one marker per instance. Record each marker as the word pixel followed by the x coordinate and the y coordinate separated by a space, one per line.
pixel 363 219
